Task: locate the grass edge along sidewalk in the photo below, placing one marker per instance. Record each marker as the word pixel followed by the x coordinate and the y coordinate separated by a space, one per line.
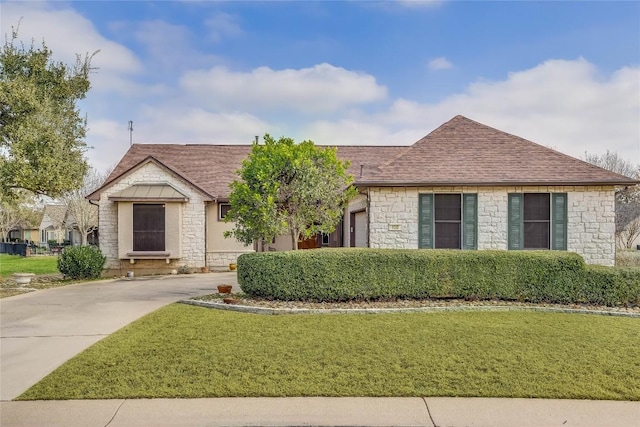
pixel 183 351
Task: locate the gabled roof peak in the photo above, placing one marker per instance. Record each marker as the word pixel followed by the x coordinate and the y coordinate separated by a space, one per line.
pixel 463 151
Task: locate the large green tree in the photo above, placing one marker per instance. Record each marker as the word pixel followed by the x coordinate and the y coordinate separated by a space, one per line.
pixel 41 129
pixel 288 188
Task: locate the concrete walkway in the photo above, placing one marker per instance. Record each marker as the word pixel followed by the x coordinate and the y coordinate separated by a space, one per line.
pixel 41 330
pixel 321 411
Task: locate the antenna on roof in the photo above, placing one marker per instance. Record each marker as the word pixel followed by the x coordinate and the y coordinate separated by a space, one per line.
pixel 130 129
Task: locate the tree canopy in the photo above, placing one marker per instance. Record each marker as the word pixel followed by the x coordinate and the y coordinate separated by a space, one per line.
pixel 41 130
pixel 288 188
pixel 20 210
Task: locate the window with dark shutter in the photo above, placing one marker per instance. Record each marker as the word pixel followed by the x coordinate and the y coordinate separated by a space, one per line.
pixel 148 227
pixel 559 221
pixel 536 220
pixel 448 221
pixel 425 221
pixel 470 221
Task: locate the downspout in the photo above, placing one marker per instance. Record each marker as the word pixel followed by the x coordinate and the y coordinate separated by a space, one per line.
pixel 368 217
pixel 98 205
pixel 206 235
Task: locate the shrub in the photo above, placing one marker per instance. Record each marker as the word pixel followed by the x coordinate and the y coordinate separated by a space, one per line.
pixel 611 286
pixel 346 274
pixel 81 262
pixel 370 274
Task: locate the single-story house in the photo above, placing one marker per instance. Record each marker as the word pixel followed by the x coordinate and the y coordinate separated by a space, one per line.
pixel 465 186
pixel 23 233
pixel 58 225
pixel 52 225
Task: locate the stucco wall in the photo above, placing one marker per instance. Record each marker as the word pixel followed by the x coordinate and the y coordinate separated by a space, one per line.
pixel 221 251
pixel 186 221
pixel 590 229
pixel 356 204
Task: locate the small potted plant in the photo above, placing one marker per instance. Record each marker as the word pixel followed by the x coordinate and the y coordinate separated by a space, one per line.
pixel 224 289
pixel 232 266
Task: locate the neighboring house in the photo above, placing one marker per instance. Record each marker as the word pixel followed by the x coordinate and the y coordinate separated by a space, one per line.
pixel 21 234
pixel 58 225
pixel 52 225
pixel 465 186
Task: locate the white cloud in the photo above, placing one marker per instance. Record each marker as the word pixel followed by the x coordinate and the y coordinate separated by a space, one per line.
pixel 319 89
pixel 566 105
pixel 440 63
pixel 357 132
pixel 67 33
pixel 169 46
pixel 189 125
pixel 223 25
pixel 171 124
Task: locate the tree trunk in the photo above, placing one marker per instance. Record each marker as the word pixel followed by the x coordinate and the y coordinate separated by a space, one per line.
pixel 294 239
pixel 83 240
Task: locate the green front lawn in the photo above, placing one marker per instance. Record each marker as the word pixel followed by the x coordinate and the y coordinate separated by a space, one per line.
pixel 185 351
pixel 10 264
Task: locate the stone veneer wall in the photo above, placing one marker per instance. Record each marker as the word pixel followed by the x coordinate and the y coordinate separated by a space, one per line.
pixel 192 229
pixel 220 260
pixel 590 230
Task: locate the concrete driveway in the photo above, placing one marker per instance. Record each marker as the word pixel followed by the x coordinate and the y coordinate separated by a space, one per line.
pixel 43 329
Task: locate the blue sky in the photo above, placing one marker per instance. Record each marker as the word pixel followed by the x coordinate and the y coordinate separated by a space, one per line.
pixel 562 74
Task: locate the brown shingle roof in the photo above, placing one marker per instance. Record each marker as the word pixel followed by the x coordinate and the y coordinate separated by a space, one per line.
pixel 56 213
pixel 213 167
pixel 465 152
pixel 460 152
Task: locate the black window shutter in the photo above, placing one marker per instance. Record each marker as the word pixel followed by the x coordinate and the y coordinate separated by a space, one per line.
pixel 559 221
pixel 470 221
pixel 515 223
pixel 425 221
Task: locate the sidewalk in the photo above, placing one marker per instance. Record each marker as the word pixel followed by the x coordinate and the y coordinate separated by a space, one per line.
pixel 321 411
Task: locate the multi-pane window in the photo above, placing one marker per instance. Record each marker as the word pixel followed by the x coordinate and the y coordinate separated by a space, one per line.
pixel 148 227
pixel 537 221
pixel 447 221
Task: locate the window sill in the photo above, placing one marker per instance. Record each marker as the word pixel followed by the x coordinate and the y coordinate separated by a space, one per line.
pixel 148 255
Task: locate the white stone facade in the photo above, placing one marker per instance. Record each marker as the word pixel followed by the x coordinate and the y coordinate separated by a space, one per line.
pixel 220 260
pixel 393 216
pixel 191 231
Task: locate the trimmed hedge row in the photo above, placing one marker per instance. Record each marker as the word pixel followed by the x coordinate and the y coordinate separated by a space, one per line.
pixel 369 274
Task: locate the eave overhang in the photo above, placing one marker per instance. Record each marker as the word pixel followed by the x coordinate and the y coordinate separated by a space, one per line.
pixel 149 193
